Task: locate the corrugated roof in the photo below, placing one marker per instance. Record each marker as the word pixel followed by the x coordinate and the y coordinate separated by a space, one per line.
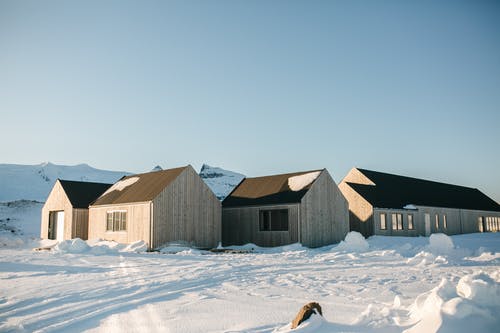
pixel 81 194
pixel 267 190
pixel 138 188
pixel 393 191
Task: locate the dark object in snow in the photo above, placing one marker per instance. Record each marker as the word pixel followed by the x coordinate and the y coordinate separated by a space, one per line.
pixel 305 312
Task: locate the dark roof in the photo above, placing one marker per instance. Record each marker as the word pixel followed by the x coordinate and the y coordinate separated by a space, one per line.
pixel 267 190
pixel 81 194
pixel 393 191
pixel 140 187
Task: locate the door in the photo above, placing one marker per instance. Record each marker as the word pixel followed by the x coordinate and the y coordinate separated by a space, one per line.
pixel 427 224
pixel 60 226
pixel 52 225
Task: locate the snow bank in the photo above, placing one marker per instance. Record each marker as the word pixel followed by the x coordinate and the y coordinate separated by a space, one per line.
pixel 440 244
pixel 98 247
pixel 298 183
pixel 471 305
pixel 72 246
pixel 315 324
pixel 354 242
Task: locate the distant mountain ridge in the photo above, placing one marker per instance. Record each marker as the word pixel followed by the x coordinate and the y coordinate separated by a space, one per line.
pixel 34 182
pixel 221 181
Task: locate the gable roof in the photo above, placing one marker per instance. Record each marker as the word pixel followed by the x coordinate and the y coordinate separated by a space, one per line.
pixel 268 190
pixel 138 188
pixel 81 194
pixel 393 191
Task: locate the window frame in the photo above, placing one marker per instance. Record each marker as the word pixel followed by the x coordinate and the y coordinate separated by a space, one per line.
pixel 116 220
pixel 274 220
pixel 397 221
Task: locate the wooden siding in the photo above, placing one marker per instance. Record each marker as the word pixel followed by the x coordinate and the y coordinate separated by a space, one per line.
pixel 57 201
pixel 240 225
pixel 138 217
pixel 187 211
pixel 80 225
pixel 324 214
pixel 360 210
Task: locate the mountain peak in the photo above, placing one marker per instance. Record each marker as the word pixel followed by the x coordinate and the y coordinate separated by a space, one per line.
pixel 157 168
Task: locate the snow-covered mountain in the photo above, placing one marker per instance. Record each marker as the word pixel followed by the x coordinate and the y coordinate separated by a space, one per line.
pixel 33 182
pixel 220 181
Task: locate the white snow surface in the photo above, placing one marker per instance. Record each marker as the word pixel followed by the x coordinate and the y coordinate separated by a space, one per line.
pixel 297 183
pixel 381 284
pixel 220 181
pixel 34 182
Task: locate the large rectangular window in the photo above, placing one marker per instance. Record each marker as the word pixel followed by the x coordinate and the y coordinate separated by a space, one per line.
pixel 480 224
pixel 410 222
pixel 397 221
pixel 383 222
pixel 116 221
pixel 273 220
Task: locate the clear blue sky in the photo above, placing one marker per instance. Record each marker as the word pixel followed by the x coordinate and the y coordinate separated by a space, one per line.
pixel 258 87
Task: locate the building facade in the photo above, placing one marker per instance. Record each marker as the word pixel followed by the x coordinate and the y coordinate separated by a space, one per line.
pixel 304 207
pixel 393 205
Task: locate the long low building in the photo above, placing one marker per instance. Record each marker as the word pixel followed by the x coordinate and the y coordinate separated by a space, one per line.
pixel 387 204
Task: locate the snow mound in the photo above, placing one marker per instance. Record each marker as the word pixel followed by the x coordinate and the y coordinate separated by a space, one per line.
pixel 315 324
pixel 298 183
pixel 72 246
pixel 440 244
pixel 471 305
pixel 98 247
pixel 354 242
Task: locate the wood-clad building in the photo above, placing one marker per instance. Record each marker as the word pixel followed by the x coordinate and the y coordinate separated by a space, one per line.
pixel 158 207
pixel 305 207
pixel 387 204
pixel 66 211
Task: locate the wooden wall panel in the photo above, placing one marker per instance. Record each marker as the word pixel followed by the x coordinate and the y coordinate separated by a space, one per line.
pixel 240 225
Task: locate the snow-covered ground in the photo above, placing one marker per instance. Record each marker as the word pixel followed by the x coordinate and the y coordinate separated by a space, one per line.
pixel 384 284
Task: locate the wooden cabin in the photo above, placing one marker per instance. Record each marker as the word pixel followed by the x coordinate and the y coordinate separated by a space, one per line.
pixel 303 207
pixel 160 207
pixel 393 205
pixel 66 211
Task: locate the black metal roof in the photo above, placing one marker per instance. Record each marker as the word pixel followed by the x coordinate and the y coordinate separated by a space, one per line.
pixel 393 191
pixel 267 190
pixel 82 194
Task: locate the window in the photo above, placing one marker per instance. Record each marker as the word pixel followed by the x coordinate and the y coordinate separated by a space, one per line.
pixel 383 222
pixel 273 220
pixel 480 224
pixel 445 225
pixel 437 222
pixel 410 222
pixel 116 221
pixel 397 221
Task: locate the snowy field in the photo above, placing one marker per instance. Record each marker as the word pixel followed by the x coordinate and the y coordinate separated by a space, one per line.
pixel 436 284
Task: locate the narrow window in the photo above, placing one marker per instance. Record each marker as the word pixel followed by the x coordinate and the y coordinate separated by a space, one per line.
pixel 400 221
pixel 480 224
pixel 445 225
pixel 410 222
pixel 109 221
pixel 383 223
pixel 394 222
pixel 437 222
